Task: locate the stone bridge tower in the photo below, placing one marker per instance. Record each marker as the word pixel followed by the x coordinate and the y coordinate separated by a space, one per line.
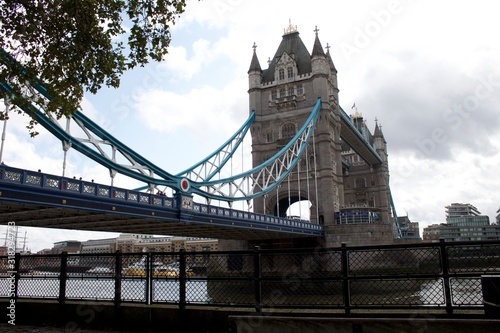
pixel 282 97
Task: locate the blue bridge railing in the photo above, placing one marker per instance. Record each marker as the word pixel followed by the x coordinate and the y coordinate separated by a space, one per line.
pixel 64 185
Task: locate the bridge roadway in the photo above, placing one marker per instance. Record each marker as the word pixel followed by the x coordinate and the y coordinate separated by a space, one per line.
pixel 35 199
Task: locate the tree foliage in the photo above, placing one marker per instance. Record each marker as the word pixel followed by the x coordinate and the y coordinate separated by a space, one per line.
pixel 80 45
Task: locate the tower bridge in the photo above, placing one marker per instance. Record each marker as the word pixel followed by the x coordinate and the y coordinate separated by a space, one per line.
pixel 304 147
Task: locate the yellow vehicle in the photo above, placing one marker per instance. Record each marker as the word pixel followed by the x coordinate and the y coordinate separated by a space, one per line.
pixel 159 270
pixel 134 271
pixel 165 272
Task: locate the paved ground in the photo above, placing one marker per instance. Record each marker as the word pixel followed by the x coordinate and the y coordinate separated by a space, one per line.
pixel 7 328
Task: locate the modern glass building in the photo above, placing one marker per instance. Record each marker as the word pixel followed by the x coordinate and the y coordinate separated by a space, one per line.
pixel 464 222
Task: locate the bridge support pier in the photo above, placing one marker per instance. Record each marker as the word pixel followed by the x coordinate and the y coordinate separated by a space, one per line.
pixel 363 234
pixel 358 234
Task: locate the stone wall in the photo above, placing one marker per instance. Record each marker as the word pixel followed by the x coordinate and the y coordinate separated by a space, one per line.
pixel 358 234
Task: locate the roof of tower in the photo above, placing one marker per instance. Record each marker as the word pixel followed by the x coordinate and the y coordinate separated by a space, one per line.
pixel 254 64
pixel 317 48
pixel 291 44
pixel 329 57
pixel 378 131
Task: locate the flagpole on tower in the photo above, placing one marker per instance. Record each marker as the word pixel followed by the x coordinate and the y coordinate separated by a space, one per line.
pixel 354 107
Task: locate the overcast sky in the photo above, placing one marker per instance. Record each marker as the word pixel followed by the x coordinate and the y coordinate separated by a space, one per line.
pixel 427 70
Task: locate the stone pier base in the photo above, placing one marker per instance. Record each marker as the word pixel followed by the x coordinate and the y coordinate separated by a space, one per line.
pixel 358 234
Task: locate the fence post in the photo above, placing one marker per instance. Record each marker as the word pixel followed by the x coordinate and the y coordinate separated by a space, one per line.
pixel 118 287
pixel 118 278
pixel 182 288
pixel 258 279
pixel 446 276
pixel 147 269
pixel 63 278
pixel 17 275
pixel 182 278
pixel 346 289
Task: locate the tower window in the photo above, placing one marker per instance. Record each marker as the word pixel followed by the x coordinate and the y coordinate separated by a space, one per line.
pixel 281 74
pixel 290 72
pixel 287 131
pixel 360 183
pixel 270 137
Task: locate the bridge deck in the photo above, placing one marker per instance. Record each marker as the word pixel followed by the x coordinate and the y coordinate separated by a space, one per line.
pixel 40 200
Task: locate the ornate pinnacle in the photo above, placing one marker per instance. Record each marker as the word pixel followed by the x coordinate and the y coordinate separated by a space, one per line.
pixel 291 29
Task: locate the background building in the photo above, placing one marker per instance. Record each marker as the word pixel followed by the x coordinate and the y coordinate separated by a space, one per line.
pixel 107 245
pixel 149 243
pixel 458 210
pixel 134 243
pixel 69 246
pixel 464 222
pixel 432 233
pixel 409 229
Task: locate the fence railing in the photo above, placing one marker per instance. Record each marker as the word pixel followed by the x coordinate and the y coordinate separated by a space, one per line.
pixel 431 276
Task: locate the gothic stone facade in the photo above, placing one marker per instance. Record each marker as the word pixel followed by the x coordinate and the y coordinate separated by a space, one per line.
pixel 282 96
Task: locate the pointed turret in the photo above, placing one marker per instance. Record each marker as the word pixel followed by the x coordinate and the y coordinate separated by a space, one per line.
pixel 254 64
pixel 317 48
pixel 378 131
pixel 255 71
pixel 379 141
pixel 330 60
pixel 319 61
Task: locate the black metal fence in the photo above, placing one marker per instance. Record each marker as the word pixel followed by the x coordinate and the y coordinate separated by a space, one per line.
pixel 431 276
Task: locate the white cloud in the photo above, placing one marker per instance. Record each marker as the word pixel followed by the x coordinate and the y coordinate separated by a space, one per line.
pixel 185 66
pixel 423 187
pixel 198 112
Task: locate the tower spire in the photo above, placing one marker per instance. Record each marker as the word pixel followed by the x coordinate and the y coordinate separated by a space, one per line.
pixel 378 129
pixel 317 48
pixel 291 29
pixel 254 64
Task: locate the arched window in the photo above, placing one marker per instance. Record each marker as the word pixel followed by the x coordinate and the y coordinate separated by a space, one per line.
pixel 281 74
pixel 290 72
pixel 270 137
pixel 300 90
pixel 287 131
pixel 360 182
